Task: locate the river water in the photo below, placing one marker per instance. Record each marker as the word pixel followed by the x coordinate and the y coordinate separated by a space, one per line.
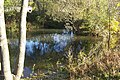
pixel 48 43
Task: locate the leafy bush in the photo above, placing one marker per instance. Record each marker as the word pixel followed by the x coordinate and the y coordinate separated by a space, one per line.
pixel 102 66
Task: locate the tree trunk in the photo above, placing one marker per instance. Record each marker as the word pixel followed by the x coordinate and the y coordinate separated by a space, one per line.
pixel 4 45
pixel 20 63
pixel 1 65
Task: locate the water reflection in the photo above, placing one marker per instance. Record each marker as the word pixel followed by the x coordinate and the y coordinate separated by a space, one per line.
pixel 49 43
pixel 57 44
pixel 27 72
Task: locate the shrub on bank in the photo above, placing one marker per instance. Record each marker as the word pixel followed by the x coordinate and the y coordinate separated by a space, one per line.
pixel 103 66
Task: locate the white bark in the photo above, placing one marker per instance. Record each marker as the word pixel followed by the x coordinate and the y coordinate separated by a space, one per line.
pixel 20 64
pixel 4 44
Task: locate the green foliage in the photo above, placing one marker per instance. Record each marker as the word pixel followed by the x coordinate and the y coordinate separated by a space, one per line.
pixel 99 65
pixel 12 29
pixel 11 3
pixel 32 4
pixel 8 3
pixel 114 25
pixel 113 41
pixel 96 13
pixel 12 25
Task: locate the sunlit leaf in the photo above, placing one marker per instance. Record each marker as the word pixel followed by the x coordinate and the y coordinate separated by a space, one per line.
pixel 114 25
pixel 118 4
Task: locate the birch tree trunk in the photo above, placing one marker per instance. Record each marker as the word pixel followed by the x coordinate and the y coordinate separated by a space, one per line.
pixel 4 45
pixel 20 63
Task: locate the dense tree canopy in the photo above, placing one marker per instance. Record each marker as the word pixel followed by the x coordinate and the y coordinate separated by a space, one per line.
pixel 91 14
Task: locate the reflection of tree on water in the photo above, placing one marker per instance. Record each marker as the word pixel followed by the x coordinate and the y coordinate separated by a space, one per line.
pixel 61 44
pixel 58 44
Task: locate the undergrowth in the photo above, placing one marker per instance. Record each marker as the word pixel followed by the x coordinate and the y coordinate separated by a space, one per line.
pixel 103 66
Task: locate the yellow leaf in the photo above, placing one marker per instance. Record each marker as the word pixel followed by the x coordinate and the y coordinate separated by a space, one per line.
pixel 118 4
pixel 114 25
